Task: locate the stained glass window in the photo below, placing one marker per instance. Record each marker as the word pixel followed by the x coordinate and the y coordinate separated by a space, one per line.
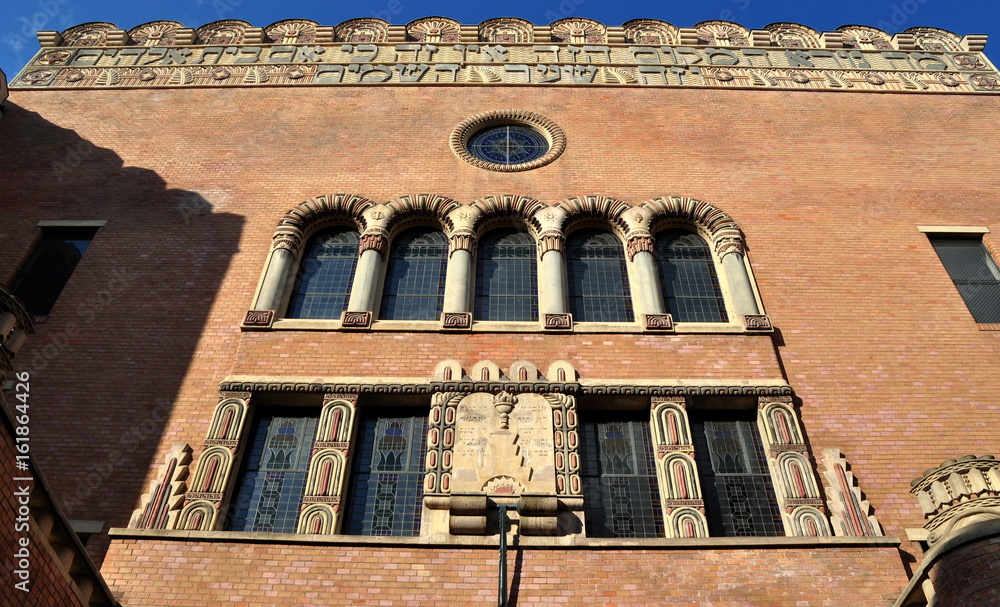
pixel 735 480
pixel 506 279
pixel 618 472
pixel 598 279
pixel 274 477
pixel 324 281
pixel 974 273
pixel 387 480
pixel 508 144
pixel 414 283
pixel 47 271
pixel 687 275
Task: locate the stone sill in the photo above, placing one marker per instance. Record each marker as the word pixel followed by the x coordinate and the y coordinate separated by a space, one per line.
pixel 540 543
pixel 433 326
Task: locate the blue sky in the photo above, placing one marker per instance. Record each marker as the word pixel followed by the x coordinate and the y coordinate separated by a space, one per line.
pixel 19 19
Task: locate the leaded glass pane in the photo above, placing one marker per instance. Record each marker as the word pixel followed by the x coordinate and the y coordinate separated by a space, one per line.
pixel 274 478
pixel 735 480
pixel 323 283
pixel 388 475
pixel 598 278
pixel 506 278
pixel 508 144
pixel 974 273
pixel 618 471
pixel 47 271
pixel 687 275
pixel 414 283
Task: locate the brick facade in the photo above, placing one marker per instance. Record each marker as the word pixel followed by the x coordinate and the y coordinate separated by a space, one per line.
pixel 885 362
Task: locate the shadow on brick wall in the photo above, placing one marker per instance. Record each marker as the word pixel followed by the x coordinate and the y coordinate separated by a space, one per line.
pixel 108 363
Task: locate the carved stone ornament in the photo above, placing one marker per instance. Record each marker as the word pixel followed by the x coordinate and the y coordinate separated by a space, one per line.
pixel 850 513
pixel 757 322
pixel 374 240
pixel 658 322
pixel 356 320
pixel 456 320
pixel 639 243
pixel 259 319
pixel 504 403
pixel 958 493
pixel 557 322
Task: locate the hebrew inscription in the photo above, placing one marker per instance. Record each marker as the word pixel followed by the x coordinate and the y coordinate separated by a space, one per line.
pixel 510 64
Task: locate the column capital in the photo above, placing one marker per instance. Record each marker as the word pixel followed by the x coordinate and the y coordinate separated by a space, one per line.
pixel 551 240
pixel 462 239
pixel 638 241
pixel 374 239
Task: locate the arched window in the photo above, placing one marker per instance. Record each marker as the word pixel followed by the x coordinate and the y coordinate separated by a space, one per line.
pixel 325 275
pixel 687 275
pixel 506 277
pixel 598 279
pixel 414 282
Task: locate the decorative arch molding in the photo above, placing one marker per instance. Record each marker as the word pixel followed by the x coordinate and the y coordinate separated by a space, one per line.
pixel 291 31
pixel 198 516
pixel 808 521
pixel 865 37
pixel 721 33
pixel 575 30
pixel 934 39
pixel 726 234
pixel 155 33
pixel 296 223
pixel 420 205
pixel 597 207
pixel 793 35
pixel 434 30
pixel 506 30
pixel 95 33
pixel 498 205
pixel 680 489
pixel 364 30
pixel 650 31
pixel 223 32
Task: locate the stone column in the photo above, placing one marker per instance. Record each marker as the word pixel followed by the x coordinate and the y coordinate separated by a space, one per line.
pixel 279 269
pixel 647 297
pixel 459 279
pixel 552 296
pixel 739 281
pixel 372 250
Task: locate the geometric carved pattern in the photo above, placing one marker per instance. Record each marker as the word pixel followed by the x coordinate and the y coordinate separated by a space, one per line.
pixel 850 513
pixel 757 322
pixel 155 33
pixel 787 456
pixel 566 442
pixel 456 320
pixel 291 31
pixel 649 31
pixel 224 32
pixel 722 33
pixel 214 470
pixel 793 35
pixel 440 443
pixel 160 505
pixel 958 493
pixel 934 39
pixel 327 468
pixel 433 30
pixel 680 490
pixel 506 30
pixel 88 34
pixel 862 37
pixel 356 320
pixel 578 31
pixel 363 30
pixel 658 322
pixel 259 318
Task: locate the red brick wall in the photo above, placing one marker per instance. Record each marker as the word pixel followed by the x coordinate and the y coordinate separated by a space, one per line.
pixel 828 187
pixel 241 574
pixel 969 576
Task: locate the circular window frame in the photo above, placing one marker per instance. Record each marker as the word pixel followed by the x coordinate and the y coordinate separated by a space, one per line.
pixel 465 130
